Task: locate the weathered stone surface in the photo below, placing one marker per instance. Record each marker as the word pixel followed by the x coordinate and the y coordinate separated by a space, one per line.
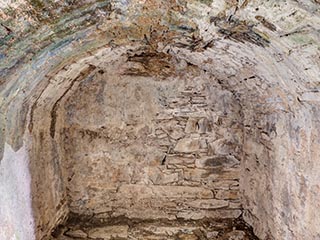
pixel 212 235
pixel 173 230
pixel 216 214
pixel 179 192
pixel 187 145
pixel 217 161
pixel 178 161
pixel 208 204
pixel 170 231
pixel 236 235
pixel 140 162
pixel 191 125
pixel 211 175
pixel 118 232
pixel 76 234
pixel 85 87
pixel 227 194
pixel 225 184
pixel 224 147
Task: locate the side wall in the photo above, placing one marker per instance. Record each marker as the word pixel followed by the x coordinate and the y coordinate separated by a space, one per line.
pixel 15 199
pixel 281 174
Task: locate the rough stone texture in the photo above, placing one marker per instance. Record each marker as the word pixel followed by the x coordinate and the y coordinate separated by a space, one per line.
pixel 263 53
pixel 110 232
pixel 171 230
pixel 145 147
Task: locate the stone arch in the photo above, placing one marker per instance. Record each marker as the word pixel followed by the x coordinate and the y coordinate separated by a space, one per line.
pixel 271 70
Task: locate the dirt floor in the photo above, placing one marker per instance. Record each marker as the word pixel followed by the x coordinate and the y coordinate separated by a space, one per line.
pixel 121 228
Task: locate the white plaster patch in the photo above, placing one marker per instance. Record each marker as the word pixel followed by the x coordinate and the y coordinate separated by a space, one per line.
pixel 16 220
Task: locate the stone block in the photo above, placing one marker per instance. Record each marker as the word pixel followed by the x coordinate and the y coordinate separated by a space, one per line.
pixel 178 160
pixel 212 234
pixel 166 178
pixel 208 204
pixel 236 235
pixel 227 194
pixel 76 234
pixel 203 125
pixel 176 134
pixel 171 192
pixel 203 144
pixel 218 174
pixel 187 145
pixel 211 214
pixel 235 204
pixel 109 232
pixel 217 161
pixel 224 147
pixel 144 212
pixel 226 185
pixel 191 126
pixel 166 230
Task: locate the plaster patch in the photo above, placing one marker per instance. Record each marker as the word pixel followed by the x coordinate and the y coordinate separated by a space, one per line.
pixel 16 220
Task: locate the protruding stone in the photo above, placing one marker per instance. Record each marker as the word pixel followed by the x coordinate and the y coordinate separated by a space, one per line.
pixel 170 231
pixel 203 125
pixel 236 235
pixel 217 161
pixel 223 147
pixel 180 160
pixel 142 192
pixel 227 194
pixel 213 214
pixel 191 126
pixel 176 134
pixel 76 234
pixel 310 96
pixel 109 232
pixel 196 125
pixel 187 236
pixel 187 145
pixel 208 204
pixel 212 234
pixel 216 174
pixel 225 184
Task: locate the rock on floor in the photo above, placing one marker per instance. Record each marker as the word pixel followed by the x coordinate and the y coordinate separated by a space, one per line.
pixel 158 230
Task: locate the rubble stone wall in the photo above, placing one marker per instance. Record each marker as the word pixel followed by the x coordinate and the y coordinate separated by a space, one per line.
pixel 264 53
pixel 150 148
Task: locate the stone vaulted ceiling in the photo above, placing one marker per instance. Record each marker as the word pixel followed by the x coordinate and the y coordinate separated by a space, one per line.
pixel 279 40
pixel 266 52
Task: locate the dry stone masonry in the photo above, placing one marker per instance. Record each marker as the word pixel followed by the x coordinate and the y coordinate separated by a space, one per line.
pixel 149 148
pixel 167 119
